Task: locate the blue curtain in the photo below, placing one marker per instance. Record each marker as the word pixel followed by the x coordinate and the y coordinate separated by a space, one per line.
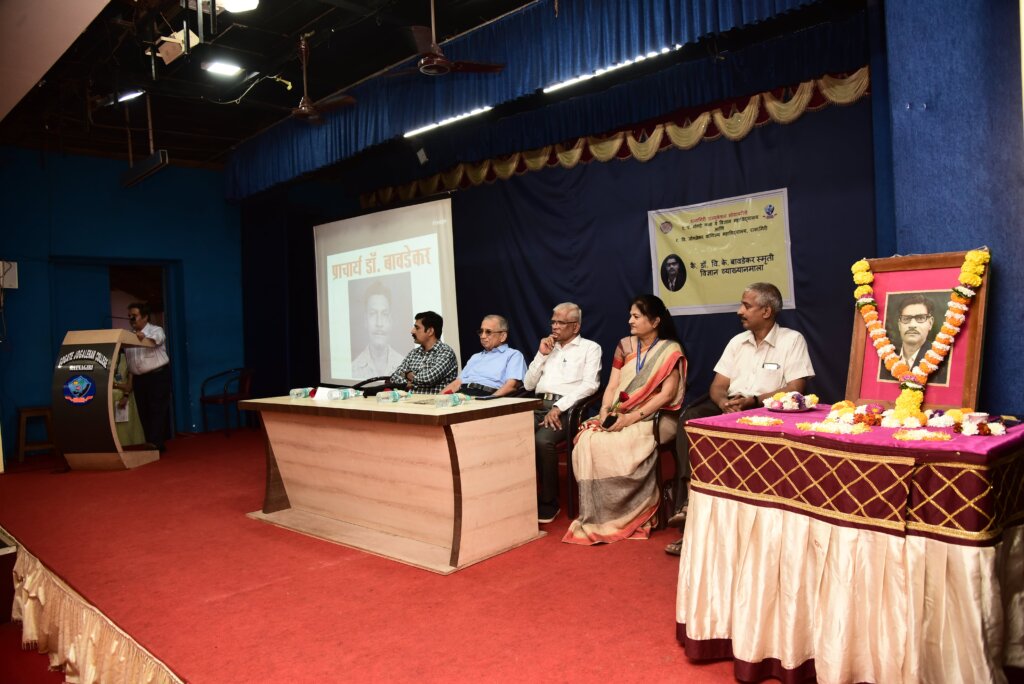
pixel 538 48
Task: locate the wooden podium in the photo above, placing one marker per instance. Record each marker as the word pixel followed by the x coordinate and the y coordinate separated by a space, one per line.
pixel 83 414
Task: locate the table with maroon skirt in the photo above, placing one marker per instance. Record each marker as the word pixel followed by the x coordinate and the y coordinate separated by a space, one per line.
pixel 853 558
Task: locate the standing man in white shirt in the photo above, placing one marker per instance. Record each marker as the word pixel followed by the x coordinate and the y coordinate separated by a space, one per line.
pixel 151 376
pixel 566 369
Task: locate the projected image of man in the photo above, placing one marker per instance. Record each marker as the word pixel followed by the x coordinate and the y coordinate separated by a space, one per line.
pixel 379 357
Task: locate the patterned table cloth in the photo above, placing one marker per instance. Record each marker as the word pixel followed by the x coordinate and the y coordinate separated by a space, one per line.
pixel 853 558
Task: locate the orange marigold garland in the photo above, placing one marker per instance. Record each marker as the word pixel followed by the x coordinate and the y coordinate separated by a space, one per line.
pixel 913 380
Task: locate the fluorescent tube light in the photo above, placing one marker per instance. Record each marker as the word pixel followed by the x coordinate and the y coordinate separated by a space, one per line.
pixel 604 70
pixel 445 122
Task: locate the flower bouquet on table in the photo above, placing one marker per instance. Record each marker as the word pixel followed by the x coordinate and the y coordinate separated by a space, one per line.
pixel 848 413
pixel 980 424
pixel 790 401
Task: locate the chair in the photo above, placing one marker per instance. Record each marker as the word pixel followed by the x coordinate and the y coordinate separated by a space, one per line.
pixel 24 415
pixel 372 391
pixel 226 389
pixel 667 427
pixel 571 425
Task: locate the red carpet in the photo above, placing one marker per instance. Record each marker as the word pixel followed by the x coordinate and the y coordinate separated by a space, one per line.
pixel 166 552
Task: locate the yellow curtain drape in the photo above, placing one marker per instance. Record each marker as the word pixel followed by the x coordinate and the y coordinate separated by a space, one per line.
pixel 845 90
pixel 569 158
pixel 453 177
pixel 605 149
pixel 791 110
pixel 644 151
pixel 737 126
pixel 536 160
pixel 76 636
pixel 477 173
pixel 688 135
pixel 842 90
pixel 505 168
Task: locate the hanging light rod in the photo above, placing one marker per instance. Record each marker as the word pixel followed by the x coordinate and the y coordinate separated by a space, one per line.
pixel 445 122
pixel 130 95
pixel 608 69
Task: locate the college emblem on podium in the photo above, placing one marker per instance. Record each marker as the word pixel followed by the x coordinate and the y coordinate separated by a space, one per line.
pixel 79 390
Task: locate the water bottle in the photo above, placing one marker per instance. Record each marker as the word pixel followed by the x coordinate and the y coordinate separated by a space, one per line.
pixel 390 396
pixel 300 393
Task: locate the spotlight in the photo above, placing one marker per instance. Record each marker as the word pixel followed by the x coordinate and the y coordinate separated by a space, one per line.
pixel 222 68
pixel 169 48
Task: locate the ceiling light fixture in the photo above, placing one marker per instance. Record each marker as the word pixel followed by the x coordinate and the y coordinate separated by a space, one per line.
pixel 222 68
pixel 129 95
pixel 604 70
pixel 238 5
pixel 445 122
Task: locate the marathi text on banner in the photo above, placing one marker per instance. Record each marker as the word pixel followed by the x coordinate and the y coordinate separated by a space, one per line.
pixel 704 255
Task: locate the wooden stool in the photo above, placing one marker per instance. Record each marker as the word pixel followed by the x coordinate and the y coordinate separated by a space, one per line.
pixel 24 414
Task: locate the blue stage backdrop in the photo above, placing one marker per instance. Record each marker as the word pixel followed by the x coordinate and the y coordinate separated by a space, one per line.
pixel 524 245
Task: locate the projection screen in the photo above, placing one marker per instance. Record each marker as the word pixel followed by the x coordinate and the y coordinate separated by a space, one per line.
pixel 374 273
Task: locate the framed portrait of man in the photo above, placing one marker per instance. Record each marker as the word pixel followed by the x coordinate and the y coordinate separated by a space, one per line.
pixel 912 320
pixel 912 295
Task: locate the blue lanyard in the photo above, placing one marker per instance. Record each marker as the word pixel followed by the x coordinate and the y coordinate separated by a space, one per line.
pixel 641 360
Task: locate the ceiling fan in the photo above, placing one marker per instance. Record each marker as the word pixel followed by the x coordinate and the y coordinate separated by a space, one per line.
pixel 307 109
pixel 432 60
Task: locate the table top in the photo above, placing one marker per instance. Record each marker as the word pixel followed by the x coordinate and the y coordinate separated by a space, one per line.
pixel 409 411
pixel 970 449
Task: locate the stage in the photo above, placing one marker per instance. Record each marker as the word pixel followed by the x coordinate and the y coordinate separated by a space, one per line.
pixel 167 554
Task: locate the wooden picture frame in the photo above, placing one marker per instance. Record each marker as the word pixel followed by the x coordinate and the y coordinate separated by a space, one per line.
pixel 926 274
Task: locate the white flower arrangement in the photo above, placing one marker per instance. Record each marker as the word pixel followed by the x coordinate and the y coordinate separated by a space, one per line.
pixel 921 435
pixel 940 420
pixel 759 421
pixel 834 428
pixel 790 401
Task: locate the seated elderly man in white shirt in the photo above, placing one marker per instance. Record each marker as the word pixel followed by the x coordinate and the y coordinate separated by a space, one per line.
pixel 756 364
pixel 566 369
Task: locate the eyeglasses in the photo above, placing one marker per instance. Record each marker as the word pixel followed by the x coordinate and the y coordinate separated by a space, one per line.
pixel 919 318
pixel 554 322
pixel 488 333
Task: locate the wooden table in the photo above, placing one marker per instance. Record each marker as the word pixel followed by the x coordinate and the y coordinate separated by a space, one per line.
pixel 438 488
pixel 853 558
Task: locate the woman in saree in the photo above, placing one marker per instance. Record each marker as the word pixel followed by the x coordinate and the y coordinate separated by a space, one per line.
pixel 615 458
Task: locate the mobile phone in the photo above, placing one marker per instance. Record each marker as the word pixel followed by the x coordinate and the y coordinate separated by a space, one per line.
pixel 609 420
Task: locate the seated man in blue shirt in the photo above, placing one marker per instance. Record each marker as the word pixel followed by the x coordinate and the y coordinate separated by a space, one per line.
pixel 497 370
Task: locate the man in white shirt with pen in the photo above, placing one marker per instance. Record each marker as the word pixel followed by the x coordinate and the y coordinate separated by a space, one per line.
pixel 764 359
pixel 566 369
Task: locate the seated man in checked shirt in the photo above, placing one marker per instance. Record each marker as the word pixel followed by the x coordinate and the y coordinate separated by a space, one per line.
pixel 432 364
pixel 565 370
